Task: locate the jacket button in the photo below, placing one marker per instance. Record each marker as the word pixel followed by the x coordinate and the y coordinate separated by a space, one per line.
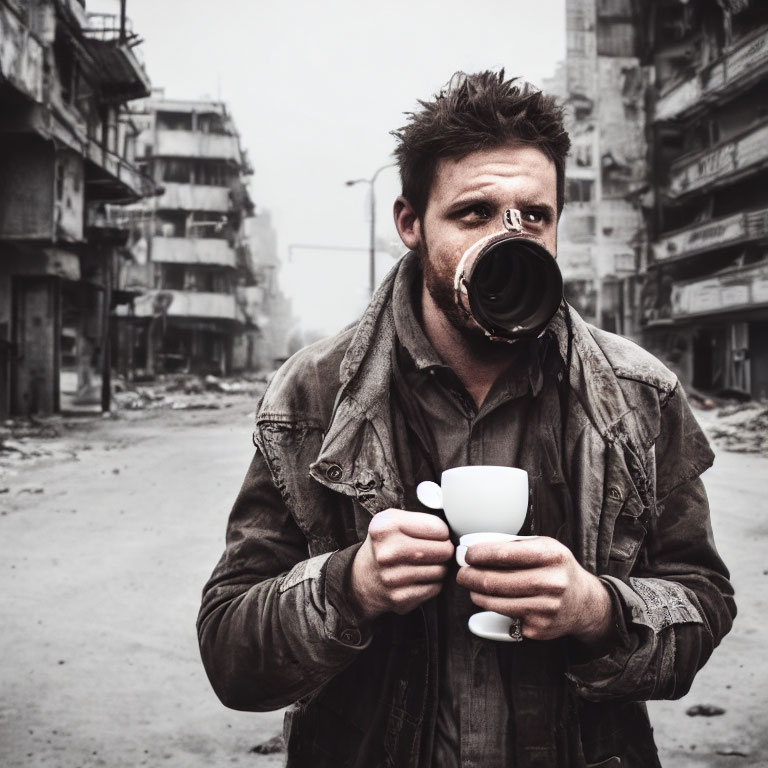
pixel 334 472
pixel 614 493
pixel 351 636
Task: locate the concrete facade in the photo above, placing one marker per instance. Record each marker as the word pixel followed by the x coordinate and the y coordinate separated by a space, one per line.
pixel 706 298
pixel 190 240
pixel 665 233
pixel 602 228
pixel 67 151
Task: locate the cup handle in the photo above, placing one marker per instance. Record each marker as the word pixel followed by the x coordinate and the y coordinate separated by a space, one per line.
pixel 461 555
pixel 430 494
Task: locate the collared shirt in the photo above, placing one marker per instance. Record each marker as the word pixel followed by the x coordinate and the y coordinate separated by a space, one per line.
pixel 474 727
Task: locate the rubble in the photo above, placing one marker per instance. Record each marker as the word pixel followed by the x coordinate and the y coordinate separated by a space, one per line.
pixel 25 440
pixel 270 747
pixel 704 710
pixel 741 428
pixel 186 392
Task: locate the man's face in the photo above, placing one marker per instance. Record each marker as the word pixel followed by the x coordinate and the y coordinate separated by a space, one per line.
pixel 467 201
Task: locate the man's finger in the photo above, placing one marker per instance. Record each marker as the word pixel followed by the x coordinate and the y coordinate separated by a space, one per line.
pixel 418 525
pixel 523 582
pixel 521 608
pixel 532 552
pixel 399 549
pixel 405 575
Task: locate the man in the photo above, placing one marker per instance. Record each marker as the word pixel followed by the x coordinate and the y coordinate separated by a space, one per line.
pixel 338 592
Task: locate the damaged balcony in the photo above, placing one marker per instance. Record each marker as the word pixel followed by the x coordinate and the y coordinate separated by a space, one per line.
pixel 719 233
pixel 194 197
pixel 720 165
pixel 183 250
pixel 109 177
pixel 110 41
pixel 196 144
pixel 188 304
pixel 735 71
pixel 736 289
pixel 22 55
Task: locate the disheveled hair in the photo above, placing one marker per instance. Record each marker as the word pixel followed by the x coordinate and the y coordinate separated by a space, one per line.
pixel 476 112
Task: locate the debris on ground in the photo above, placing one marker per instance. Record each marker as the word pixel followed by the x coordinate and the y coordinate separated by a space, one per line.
pixel 701 401
pixel 742 428
pixel 733 752
pixel 270 747
pixel 732 423
pixel 61 436
pixel 183 392
pixel 18 429
pixel 704 710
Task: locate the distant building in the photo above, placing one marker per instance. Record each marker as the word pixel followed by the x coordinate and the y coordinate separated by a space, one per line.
pixel 264 343
pixel 705 304
pixel 602 229
pixel 191 252
pixel 66 153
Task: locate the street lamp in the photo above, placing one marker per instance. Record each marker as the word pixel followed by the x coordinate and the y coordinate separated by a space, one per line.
pixel 372 246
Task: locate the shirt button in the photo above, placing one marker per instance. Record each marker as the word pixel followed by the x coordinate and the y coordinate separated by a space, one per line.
pixel 334 472
pixel 351 636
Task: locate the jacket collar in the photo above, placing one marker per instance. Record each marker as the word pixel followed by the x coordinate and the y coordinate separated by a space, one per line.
pixel 357 456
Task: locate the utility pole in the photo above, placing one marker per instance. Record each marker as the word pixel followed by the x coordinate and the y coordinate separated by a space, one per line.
pixel 372 244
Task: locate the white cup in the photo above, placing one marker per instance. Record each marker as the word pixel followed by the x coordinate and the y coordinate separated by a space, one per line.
pixel 479 498
pixel 482 503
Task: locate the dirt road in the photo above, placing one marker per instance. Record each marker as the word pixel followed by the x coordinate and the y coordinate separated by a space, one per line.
pixel 105 545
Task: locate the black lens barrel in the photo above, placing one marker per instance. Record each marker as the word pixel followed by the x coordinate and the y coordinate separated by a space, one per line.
pixel 514 288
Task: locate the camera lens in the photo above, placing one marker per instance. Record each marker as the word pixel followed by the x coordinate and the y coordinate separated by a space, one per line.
pixel 514 288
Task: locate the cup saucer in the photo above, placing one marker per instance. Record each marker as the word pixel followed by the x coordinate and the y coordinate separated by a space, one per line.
pixel 491 626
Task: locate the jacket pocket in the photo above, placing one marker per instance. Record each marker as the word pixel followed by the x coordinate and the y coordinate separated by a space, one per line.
pixel 629 533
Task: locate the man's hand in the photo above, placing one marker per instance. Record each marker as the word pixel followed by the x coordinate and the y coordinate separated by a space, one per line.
pixel 539 581
pixel 401 562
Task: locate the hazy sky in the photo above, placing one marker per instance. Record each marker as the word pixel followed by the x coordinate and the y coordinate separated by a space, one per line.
pixel 315 88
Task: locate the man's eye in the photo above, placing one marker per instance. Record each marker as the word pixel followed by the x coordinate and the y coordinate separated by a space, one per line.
pixel 533 217
pixel 478 212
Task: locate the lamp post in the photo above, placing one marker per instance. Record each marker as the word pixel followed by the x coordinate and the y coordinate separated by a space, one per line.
pixel 372 245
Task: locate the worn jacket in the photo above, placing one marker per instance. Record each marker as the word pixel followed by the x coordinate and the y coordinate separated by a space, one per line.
pixel 275 626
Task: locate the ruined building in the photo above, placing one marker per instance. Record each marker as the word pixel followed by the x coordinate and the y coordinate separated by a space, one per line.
pixel 193 261
pixel 66 153
pixel 665 235
pixel 705 304
pixel 602 229
pixel 264 343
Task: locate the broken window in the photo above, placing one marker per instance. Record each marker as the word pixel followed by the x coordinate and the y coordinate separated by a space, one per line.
pixel 211 122
pixel 177 170
pixel 580 190
pixel 174 121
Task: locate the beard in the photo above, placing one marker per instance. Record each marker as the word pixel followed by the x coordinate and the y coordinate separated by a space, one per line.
pixel 438 280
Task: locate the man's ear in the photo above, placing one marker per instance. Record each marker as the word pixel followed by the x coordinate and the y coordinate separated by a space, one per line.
pixel 407 223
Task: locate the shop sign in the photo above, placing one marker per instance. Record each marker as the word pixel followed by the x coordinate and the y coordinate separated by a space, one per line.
pixel 698 172
pixel 701 238
pixel 746 288
pixel 735 155
pixel 748 57
pixel 679 99
pixel 734 295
